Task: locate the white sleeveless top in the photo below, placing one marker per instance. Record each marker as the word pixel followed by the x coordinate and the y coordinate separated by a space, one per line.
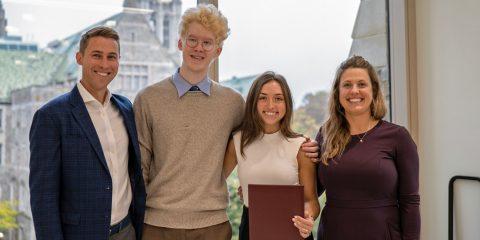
pixel 271 159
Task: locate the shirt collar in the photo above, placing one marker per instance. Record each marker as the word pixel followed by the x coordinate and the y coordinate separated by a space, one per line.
pixel 183 85
pixel 87 97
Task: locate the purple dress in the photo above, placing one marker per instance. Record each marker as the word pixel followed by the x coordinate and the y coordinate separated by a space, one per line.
pixel 372 189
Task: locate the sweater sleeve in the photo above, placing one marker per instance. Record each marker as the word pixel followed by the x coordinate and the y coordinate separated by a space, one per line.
pixel 144 135
pixel 407 164
pixel 241 109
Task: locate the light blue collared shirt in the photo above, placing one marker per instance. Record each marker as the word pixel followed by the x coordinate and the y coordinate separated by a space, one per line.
pixel 183 85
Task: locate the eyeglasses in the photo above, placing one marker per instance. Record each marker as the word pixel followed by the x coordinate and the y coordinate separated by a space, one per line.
pixel 207 45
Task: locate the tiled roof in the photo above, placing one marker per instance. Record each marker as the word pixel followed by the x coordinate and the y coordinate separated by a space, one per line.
pixel 241 84
pixel 21 69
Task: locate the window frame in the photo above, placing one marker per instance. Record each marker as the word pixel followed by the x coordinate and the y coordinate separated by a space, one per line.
pixel 1 118
pixel 403 80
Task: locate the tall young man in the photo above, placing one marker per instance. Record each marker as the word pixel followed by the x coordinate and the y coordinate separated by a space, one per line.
pixel 85 172
pixel 184 123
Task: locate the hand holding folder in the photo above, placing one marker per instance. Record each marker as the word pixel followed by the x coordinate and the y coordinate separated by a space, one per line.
pixel 270 210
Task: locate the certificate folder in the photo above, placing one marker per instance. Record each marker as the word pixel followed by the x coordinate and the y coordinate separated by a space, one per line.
pixel 271 209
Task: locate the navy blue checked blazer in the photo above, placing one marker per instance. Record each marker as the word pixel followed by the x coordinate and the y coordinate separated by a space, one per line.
pixel 70 184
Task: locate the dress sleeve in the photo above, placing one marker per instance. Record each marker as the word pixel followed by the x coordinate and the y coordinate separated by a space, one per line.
pixel 406 159
pixel 319 139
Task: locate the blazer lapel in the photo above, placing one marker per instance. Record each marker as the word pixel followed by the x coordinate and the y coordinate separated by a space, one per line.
pixel 129 124
pixel 80 114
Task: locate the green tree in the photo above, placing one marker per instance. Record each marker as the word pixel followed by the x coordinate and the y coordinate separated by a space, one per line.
pixel 307 120
pixel 304 123
pixel 235 206
pixel 316 105
pixel 311 114
pixel 8 215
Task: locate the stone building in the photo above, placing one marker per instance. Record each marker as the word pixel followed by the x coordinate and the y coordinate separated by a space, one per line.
pixel 147 55
pixel 4 111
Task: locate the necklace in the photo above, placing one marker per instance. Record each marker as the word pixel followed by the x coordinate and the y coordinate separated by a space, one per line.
pixel 368 129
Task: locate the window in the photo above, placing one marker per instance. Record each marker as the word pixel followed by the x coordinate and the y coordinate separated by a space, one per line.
pixel 144 81
pixel 306 48
pixel 1 119
pixel 166 32
pixel 136 83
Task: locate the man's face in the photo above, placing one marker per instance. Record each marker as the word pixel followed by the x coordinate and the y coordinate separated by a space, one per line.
pixel 99 63
pixel 197 59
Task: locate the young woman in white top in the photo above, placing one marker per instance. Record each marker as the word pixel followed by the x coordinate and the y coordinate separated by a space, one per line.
pixel 267 150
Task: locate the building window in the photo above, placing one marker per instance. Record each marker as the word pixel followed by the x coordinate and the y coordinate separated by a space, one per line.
pixel 144 81
pixel 1 152
pixel 166 32
pixel 136 83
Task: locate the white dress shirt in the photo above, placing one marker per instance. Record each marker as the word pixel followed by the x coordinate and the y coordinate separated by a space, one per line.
pixel 113 136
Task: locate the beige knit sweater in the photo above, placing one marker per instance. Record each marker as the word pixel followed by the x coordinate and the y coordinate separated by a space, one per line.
pixel 182 143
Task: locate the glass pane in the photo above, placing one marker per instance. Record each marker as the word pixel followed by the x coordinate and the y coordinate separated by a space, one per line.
pixel 305 41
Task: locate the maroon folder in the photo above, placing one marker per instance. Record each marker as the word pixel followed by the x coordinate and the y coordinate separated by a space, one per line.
pixel 271 209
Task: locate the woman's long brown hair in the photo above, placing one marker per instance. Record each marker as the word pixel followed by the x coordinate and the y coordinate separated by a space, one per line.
pixel 252 125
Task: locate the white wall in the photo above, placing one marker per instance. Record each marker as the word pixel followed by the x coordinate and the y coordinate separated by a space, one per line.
pixel 448 48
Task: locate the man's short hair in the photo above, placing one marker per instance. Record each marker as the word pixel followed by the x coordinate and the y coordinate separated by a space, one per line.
pixel 100 31
pixel 209 17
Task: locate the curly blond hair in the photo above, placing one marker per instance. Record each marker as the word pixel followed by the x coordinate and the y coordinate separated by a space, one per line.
pixel 210 18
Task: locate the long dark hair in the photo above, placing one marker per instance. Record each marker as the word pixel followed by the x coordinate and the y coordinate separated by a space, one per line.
pixel 252 125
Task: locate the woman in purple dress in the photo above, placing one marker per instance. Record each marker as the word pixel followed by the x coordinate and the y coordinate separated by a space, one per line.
pixel 368 167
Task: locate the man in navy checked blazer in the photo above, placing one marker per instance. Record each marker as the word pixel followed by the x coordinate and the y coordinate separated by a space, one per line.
pixel 85 176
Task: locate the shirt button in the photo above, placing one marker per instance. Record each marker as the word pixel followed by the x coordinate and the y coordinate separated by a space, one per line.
pixel 108 187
